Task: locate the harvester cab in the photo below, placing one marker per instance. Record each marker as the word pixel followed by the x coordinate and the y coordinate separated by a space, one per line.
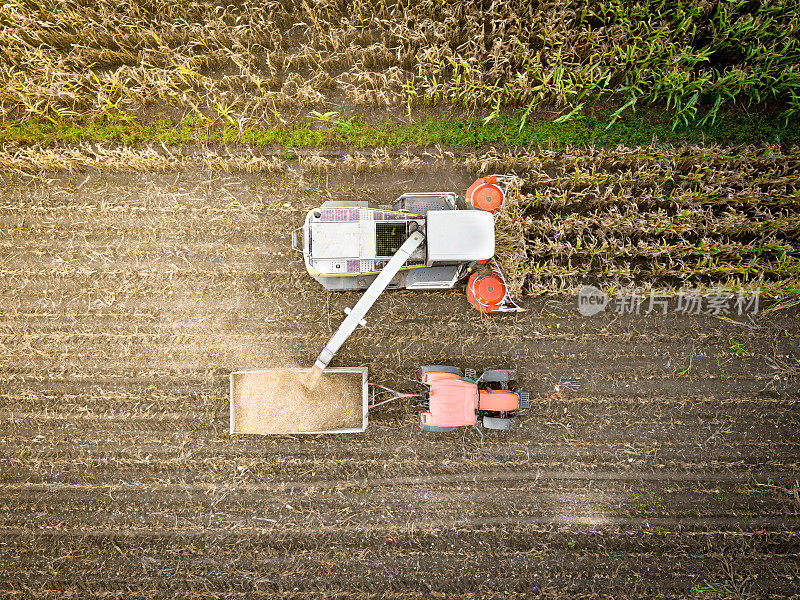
pixel 457 398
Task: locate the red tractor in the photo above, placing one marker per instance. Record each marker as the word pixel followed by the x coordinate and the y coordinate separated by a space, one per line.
pixel 456 399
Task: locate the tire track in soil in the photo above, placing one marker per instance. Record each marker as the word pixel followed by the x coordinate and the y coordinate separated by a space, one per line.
pixel 433 479
pixel 125 301
pixel 534 556
pixel 676 502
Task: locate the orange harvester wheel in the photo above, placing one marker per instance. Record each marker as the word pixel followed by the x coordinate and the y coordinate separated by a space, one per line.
pixel 486 292
pixel 485 194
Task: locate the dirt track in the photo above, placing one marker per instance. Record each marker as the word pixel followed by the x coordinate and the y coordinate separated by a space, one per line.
pixel 656 457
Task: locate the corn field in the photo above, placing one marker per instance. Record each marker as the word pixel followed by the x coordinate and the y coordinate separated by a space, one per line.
pixel 658 457
pixel 250 62
pixel 660 218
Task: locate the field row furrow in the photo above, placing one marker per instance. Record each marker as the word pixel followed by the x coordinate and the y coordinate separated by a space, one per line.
pixel 220 470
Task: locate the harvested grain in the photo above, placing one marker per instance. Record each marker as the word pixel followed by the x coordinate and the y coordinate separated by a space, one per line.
pixel 277 401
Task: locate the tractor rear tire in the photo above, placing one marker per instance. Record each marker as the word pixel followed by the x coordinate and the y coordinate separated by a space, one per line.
pixel 441 369
pixel 499 376
pixel 498 423
pixel 434 428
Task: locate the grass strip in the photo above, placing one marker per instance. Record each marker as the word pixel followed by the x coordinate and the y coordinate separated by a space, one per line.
pixel 425 132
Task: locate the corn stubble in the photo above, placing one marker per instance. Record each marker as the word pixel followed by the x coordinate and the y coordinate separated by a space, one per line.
pixel 659 218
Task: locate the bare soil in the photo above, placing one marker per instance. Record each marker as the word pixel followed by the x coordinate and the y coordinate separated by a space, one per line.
pixel 660 456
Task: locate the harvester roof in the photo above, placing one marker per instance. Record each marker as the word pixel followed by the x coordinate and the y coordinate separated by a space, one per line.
pixel 460 235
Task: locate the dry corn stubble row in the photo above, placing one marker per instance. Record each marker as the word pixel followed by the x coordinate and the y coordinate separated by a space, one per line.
pixel 661 217
pixel 78 158
pixel 730 172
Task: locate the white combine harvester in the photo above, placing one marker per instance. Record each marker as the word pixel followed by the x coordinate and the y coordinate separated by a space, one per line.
pixel 346 244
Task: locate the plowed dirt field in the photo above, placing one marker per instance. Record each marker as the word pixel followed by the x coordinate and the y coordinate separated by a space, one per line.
pixel 660 457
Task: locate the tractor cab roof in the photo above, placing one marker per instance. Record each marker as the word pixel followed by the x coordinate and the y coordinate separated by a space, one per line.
pixel 453 402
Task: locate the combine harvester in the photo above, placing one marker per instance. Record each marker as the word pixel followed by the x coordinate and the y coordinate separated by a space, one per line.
pixel 345 245
pixel 423 241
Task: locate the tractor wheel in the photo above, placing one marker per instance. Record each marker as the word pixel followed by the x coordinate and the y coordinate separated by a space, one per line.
pixel 441 369
pixel 498 423
pixel 499 376
pixel 435 428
